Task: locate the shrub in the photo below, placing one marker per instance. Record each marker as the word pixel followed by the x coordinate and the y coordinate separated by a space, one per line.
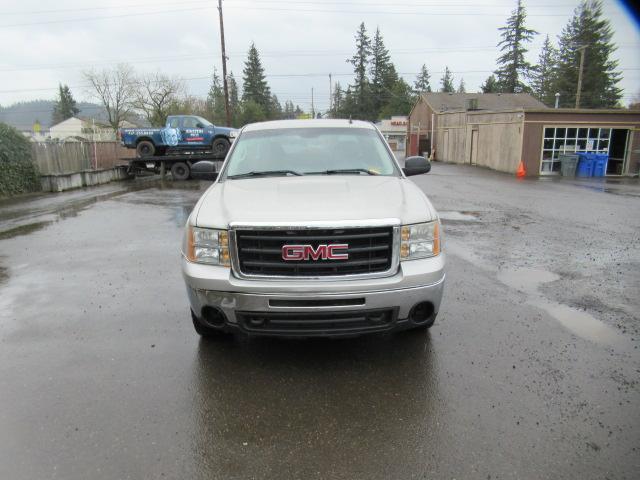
pixel 18 173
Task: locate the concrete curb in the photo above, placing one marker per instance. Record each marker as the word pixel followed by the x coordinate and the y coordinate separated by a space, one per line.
pixel 87 178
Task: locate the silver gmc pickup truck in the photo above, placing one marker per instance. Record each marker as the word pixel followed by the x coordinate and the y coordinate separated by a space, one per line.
pixel 312 229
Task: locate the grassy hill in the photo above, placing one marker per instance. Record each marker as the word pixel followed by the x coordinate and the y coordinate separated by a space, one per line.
pixel 22 115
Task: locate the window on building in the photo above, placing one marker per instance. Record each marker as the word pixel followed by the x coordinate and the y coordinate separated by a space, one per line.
pixel 559 140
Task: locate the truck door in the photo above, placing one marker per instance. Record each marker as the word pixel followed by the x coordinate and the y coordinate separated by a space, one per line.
pixel 192 132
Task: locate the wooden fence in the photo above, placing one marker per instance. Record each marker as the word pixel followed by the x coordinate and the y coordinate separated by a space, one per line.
pixel 71 157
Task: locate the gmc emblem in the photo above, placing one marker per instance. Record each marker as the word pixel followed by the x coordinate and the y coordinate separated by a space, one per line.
pixel 307 252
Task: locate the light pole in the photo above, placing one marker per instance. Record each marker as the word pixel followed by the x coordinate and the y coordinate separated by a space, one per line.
pixel 224 67
pixel 579 91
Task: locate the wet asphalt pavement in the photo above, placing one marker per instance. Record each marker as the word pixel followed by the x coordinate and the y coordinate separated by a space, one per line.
pixel 531 371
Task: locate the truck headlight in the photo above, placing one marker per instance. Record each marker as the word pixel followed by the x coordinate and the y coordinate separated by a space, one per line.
pixel 206 245
pixel 420 240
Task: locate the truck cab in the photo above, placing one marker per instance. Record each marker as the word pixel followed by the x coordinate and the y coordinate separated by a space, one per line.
pixel 188 130
pixel 181 133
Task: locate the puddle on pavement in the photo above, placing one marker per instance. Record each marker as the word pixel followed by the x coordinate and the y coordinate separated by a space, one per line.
pixel 580 323
pixel 529 280
pixel 614 190
pixel 4 275
pixel 526 280
pixel 23 230
pixel 458 216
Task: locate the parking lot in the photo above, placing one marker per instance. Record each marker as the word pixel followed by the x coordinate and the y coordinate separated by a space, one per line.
pixel 531 370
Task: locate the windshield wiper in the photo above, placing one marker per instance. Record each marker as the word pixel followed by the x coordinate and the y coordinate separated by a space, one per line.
pixel 347 170
pixel 265 173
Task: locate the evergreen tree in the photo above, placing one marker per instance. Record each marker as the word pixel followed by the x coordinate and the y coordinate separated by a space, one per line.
pixel 298 111
pixel 461 86
pixel 276 108
pixel 215 101
pixel 349 104
pixel 337 102
pixel 542 75
pixel 65 106
pixel 289 110
pixel 255 87
pixel 400 100
pixel 383 76
pixel 600 76
pixel 490 85
pixel 422 81
pixel 251 112
pixel 234 102
pixel 446 81
pixel 512 66
pixel 361 88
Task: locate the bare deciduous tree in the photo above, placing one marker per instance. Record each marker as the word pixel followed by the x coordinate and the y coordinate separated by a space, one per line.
pixel 116 90
pixel 188 105
pixel 155 94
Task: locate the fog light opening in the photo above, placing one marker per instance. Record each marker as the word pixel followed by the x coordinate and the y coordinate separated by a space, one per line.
pixel 421 312
pixel 257 321
pixel 214 317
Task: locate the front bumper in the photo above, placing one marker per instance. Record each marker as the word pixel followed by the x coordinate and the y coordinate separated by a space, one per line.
pixel 315 308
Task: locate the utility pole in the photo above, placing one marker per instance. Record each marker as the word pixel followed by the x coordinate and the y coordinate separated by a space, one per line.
pixel 330 95
pixel 224 68
pixel 313 111
pixel 579 91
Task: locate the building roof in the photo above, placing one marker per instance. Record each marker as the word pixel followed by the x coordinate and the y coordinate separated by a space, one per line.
pixel 443 101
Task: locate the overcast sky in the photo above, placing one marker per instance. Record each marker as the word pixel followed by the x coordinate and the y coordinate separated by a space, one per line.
pixel 301 42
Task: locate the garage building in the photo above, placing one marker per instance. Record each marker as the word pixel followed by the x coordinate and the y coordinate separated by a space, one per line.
pixel 423 118
pixel 537 136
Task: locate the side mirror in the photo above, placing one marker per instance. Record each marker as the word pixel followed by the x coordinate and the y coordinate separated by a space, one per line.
pixel 416 166
pixel 204 170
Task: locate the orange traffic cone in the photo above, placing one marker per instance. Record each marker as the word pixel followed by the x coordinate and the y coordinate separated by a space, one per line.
pixel 521 172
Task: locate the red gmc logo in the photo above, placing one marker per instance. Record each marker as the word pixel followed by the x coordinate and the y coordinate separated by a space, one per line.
pixel 307 252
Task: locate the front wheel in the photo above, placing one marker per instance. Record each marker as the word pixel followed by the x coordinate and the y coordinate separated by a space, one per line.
pixel 145 149
pixel 220 147
pixel 180 171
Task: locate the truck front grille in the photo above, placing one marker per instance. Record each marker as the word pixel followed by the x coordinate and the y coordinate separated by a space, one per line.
pixel 317 323
pixel 370 250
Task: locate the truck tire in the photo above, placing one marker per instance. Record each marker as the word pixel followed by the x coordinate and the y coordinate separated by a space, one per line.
pixel 180 171
pixel 220 146
pixel 145 149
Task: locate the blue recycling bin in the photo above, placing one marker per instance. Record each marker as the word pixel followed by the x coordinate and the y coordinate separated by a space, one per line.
pixel 600 164
pixel 585 165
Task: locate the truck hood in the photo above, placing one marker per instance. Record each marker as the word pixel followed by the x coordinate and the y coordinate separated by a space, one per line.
pixel 323 198
pixel 226 131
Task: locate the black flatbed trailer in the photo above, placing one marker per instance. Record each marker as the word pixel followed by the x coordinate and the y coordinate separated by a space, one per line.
pixel 179 164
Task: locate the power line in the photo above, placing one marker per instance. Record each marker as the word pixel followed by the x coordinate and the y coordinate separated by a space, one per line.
pixel 266 54
pixel 284 75
pixel 280 9
pixel 322 3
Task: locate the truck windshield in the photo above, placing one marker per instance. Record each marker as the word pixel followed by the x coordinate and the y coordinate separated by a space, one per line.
pixel 307 151
pixel 204 121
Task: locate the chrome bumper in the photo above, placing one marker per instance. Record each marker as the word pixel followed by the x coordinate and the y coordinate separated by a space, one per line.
pixel 416 281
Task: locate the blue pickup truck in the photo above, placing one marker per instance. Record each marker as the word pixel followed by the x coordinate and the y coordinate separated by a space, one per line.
pixel 182 133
